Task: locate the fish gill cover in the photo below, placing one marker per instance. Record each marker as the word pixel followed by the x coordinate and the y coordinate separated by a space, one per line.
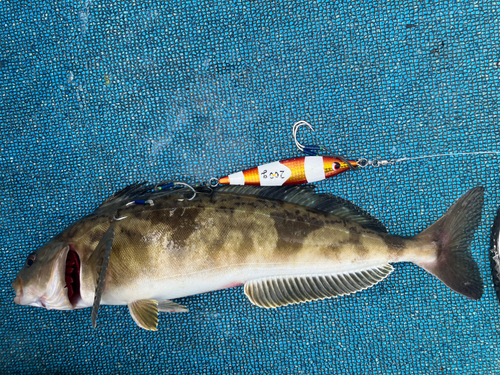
pixel 97 95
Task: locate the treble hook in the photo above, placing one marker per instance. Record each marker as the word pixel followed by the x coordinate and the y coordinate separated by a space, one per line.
pixel 189 186
pixel 170 185
pixel 296 127
pixel 314 150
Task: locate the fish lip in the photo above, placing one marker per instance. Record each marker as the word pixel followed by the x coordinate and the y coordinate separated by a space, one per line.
pixel 17 285
pixel 20 283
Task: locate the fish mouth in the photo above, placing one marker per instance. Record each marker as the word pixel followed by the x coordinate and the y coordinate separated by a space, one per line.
pixel 72 276
pixel 17 285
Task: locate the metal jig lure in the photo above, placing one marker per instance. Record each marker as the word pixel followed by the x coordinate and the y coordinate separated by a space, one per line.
pixel 295 171
pixel 290 171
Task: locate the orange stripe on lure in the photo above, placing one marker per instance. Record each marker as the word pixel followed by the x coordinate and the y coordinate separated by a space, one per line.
pixel 291 171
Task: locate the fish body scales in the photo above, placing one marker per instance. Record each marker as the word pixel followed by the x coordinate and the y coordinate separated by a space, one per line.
pixel 176 249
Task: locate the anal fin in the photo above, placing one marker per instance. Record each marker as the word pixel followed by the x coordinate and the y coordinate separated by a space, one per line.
pixel 285 290
pixel 145 313
pixel 171 307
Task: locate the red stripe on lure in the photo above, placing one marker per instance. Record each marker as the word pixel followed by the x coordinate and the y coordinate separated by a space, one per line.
pixel 294 171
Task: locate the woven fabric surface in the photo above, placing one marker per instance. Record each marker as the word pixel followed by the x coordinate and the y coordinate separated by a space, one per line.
pixel 96 95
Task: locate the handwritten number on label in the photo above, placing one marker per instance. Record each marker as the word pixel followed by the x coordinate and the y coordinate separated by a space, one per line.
pixel 273 175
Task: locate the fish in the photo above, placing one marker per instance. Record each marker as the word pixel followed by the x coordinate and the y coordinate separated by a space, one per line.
pixel 495 254
pixel 284 245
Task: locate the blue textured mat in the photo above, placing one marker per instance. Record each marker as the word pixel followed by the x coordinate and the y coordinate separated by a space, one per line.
pixel 96 95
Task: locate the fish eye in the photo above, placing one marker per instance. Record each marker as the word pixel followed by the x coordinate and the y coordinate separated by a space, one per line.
pixel 31 259
pixel 336 166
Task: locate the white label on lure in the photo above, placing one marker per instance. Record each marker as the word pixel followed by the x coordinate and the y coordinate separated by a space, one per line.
pixel 314 168
pixel 273 174
pixel 237 178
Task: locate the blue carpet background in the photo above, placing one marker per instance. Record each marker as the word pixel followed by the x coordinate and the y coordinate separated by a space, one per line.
pixel 97 94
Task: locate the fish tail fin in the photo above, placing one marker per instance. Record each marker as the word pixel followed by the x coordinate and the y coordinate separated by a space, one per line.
pixel 453 233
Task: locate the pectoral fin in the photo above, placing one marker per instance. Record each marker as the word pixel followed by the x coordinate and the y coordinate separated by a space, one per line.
pixel 102 253
pixel 171 307
pixel 145 313
pixel 285 290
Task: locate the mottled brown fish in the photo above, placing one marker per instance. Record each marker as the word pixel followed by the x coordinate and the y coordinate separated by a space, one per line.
pixel 495 254
pixel 285 245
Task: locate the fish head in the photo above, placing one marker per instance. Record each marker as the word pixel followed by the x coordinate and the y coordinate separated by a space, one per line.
pixel 49 278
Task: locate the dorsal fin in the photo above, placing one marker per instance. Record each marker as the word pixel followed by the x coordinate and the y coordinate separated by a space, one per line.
pixel 305 195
